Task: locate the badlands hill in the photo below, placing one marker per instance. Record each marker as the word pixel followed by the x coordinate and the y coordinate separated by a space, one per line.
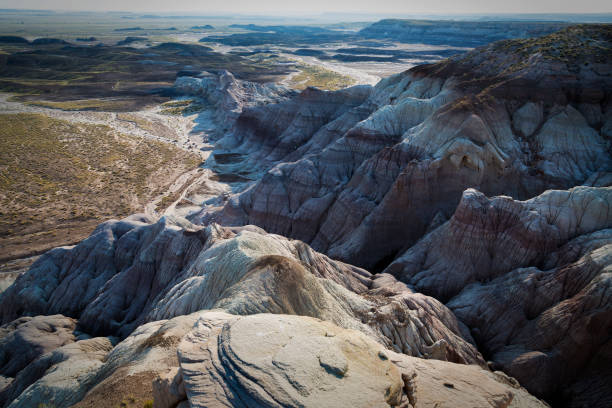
pixel 363 173
pixel 441 239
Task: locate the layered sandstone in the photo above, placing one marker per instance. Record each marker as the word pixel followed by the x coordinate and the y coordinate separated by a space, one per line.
pixel 362 175
pixel 531 279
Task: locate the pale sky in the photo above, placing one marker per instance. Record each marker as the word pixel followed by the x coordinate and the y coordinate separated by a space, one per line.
pixel 321 6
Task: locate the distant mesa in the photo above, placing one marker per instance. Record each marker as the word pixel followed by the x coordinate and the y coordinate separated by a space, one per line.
pixel 153 62
pixel 286 29
pixel 129 40
pixel 307 52
pixel 13 39
pixel 87 39
pixel 456 33
pixel 286 35
pixel 128 29
pixel 203 27
pixel 448 33
pixel 192 50
pixel 46 41
pixel 361 58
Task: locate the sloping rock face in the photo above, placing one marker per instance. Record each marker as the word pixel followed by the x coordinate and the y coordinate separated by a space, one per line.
pixel 487 238
pixel 229 96
pixel 129 272
pixel 514 118
pixel 275 131
pixel 61 376
pixel 44 359
pixel 530 278
pixel 93 373
pixel 23 341
pixel 27 338
pixel 212 358
pixel 291 361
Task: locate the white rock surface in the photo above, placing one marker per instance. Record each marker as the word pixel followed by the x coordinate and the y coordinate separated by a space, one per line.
pixel 172 268
pixel 291 361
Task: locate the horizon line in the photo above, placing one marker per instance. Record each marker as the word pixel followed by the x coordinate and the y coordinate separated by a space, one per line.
pixel 296 13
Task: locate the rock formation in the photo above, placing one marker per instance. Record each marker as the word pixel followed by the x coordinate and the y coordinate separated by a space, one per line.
pixel 254 300
pixel 228 96
pixel 290 361
pixel 130 272
pixel 211 358
pixel 514 118
pixel 522 275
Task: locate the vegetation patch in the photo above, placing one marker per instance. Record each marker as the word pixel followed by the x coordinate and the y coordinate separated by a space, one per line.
pixel 178 104
pixel 111 105
pixel 158 339
pixel 576 45
pixel 312 75
pixel 167 200
pixel 121 390
pixel 182 107
pixel 100 77
pixel 59 179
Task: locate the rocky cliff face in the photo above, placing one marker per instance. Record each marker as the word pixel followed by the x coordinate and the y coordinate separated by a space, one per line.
pixel 514 118
pixel 522 276
pixel 130 272
pixel 227 96
pixel 254 301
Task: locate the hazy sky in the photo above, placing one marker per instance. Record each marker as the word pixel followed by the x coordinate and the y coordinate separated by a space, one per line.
pixel 322 6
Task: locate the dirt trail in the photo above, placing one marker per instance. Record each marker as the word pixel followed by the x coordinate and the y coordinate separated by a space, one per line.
pixel 175 129
pixel 190 133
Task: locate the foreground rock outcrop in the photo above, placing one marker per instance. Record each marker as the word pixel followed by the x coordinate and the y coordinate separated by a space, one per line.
pixel 530 279
pixel 290 361
pixel 130 272
pixel 211 358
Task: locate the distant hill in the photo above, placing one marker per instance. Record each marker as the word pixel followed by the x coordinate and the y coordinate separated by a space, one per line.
pixel 457 33
pixel 13 39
